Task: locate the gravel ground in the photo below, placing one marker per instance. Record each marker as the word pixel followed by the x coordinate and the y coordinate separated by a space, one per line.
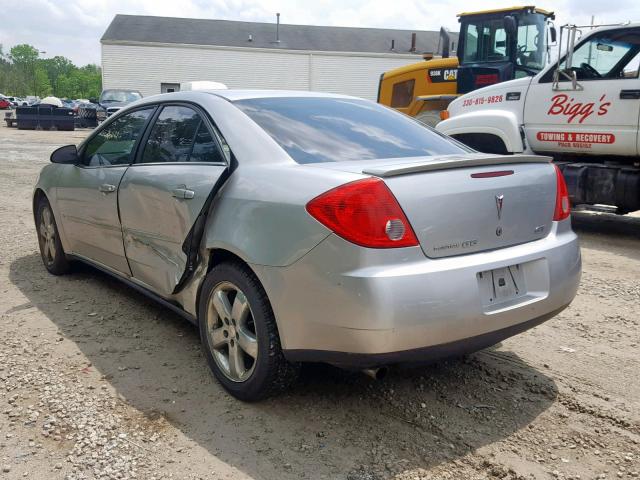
pixel 99 382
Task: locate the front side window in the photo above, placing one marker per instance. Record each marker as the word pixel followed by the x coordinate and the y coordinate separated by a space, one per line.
pixel 532 50
pixel 113 144
pixel 485 41
pixel 180 135
pixel 608 55
pixel 317 129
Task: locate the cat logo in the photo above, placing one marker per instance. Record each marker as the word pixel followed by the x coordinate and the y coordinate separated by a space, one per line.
pixel 439 75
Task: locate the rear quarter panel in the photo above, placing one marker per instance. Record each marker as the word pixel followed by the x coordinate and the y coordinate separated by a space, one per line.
pixel 260 212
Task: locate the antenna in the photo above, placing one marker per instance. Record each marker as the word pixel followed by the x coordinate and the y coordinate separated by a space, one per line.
pixel 277 28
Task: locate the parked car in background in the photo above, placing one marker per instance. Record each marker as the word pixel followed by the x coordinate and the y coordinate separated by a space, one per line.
pixel 18 102
pixel 112 100
pixel 5 103
pixel 303 227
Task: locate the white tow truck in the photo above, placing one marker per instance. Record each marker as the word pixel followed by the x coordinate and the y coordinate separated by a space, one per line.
pixel 582 110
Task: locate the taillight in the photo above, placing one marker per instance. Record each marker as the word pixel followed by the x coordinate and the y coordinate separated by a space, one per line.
pixel 364 212
pixel 563 206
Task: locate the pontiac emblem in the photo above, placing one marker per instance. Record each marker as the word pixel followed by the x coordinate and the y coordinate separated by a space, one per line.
pixel 499 199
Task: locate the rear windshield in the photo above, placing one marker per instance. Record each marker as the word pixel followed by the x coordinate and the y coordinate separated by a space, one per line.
pixel 313 130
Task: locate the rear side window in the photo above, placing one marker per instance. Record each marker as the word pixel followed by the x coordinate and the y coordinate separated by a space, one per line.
pixel 402 94
pixel 172 135
pixel 113 144
pixel 205 148
pixel 313 129
pixel 180 135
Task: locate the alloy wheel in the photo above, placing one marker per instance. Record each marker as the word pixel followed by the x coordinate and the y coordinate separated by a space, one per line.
pixel 231 332
pixel 47 234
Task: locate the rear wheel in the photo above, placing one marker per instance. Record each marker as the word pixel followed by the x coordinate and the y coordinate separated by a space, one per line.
pixel 239 334
pixel 51 251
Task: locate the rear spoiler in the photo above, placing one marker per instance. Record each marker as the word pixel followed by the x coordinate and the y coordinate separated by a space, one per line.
pixel 451 161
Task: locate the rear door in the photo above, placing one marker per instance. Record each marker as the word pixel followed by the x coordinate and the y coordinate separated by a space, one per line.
pixel 601 116
pixel 162 195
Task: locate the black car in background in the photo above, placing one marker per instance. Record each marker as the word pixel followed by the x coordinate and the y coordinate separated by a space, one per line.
pixel 110 101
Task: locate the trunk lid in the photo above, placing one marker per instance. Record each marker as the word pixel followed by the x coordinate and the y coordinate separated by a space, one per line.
pixel 455 208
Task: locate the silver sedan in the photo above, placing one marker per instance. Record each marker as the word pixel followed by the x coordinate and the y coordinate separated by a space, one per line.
pixel 295 227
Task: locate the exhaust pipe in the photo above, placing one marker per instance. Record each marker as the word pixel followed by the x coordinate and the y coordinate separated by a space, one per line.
pixel 376 373
pixel 445 40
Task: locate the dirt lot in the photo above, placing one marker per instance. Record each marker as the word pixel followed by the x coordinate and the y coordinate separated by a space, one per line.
pixel 99 382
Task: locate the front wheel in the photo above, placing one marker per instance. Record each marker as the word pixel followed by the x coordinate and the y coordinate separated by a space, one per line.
pixel 51 251
pixel 239 334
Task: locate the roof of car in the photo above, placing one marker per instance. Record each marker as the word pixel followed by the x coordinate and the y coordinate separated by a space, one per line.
pixel 235 95
pixel 197 31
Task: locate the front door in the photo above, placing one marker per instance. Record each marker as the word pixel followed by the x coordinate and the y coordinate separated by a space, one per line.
pixel 162 194
pixel 88 193
pixel 601 115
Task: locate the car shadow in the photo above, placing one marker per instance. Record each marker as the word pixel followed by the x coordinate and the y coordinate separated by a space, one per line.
pixel 331 424
pixel 608 232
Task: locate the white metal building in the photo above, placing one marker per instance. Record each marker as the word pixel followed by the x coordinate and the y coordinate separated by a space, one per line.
pixel 156 54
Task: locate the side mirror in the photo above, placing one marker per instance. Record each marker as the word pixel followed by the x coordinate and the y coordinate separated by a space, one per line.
pixel 510 24
pixel 553 34
pixel 93 100
pixel 66 155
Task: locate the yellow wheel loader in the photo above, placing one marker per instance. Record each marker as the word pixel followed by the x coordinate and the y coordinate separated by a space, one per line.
pixel 494 46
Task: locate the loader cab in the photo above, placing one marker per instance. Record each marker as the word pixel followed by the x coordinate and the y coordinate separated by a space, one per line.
pixel 500 45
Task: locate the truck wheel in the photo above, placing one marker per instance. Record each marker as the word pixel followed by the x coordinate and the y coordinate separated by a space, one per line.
pixel 239 334
pixel 429 117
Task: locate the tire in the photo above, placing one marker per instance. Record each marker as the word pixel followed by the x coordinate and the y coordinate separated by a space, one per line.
pixel 251 330
pixel 53 255
pixel 429 117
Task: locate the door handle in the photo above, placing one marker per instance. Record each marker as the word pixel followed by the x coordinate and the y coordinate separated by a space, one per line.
pixel 629 94
pixel 183 193
pixel 107 188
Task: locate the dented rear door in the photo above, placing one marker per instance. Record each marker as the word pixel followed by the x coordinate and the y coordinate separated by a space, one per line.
pixel 166 193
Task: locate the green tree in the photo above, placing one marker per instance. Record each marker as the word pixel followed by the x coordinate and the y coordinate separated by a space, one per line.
pixel 57 67
pixel 25 57
pixel 41 85
pixel 24 73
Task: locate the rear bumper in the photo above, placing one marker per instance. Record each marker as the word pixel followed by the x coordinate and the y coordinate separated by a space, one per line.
pixel 365 307
pixel 417 355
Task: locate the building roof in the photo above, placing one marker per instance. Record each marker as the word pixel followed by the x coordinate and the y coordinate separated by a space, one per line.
pixel 148 29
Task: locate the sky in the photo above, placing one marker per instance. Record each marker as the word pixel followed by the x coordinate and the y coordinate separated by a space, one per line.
pixel 73 28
